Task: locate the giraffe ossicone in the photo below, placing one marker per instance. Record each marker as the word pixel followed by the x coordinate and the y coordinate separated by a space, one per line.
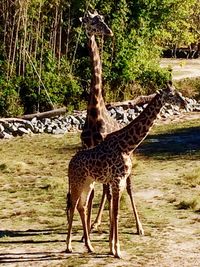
pixel 110 162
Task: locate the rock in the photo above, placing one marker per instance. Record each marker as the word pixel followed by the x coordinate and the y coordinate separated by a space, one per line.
pixel 74 121
pixel 170 112
pixel 58 131
pixel 1 128
pixel 6 135
pixel 21 131
pixel 197 107
pixel 112 113
pixel 34 121
pixel 119 113
pixel 138 109
pixel 62 124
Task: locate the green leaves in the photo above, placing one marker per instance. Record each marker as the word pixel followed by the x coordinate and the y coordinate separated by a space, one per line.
pixel 43 48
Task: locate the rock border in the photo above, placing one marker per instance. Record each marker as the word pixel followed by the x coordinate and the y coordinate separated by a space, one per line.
pixel 61 124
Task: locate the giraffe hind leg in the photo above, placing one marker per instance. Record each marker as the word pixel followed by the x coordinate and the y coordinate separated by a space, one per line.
pixel 129 189
pixel 71 205
pixel 114 235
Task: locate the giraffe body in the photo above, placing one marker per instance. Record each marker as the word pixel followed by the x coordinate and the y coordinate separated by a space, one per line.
pixel 110 162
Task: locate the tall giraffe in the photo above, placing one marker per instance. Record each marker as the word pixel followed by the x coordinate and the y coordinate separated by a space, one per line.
pixel 99 123
pixel 110 162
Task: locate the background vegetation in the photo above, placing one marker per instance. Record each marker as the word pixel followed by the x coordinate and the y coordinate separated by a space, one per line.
pixel 44 60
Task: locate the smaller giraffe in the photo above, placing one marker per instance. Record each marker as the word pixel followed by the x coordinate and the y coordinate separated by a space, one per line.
pixel 110 163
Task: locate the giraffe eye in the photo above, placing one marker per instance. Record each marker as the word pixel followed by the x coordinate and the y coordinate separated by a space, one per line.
pixel 94 20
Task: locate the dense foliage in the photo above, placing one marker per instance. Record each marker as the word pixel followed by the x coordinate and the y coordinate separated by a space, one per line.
pixel 44 59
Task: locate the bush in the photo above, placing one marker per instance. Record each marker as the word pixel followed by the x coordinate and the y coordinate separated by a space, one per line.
pixel 189 87
pixel 9 99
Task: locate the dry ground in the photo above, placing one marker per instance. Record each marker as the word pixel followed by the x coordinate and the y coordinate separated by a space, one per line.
pixel 166 178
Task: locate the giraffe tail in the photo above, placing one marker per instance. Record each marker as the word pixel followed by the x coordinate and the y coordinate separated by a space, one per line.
pixel 69 204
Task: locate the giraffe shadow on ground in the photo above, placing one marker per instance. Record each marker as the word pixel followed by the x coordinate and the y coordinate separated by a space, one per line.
pixel 32 237
pixel 45 256
pixel 180 142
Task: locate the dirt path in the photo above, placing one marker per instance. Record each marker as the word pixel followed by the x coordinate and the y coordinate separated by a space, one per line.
pixel 182 68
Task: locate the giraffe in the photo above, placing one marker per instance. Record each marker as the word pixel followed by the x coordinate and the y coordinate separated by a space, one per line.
pixel 98 122
pixel 110 162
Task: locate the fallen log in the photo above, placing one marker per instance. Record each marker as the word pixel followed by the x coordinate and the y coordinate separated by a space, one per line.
pixel 46 114
pixel 140 100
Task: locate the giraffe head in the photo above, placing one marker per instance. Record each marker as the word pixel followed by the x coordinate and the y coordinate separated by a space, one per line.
pixel 172 96
pixel 95 25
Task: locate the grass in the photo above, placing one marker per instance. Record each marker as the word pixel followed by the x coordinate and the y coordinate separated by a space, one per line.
pixel 33 186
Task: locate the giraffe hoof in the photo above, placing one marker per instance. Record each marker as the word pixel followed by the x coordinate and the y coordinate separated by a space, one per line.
pixel 90 248
pixel 140 232
pixel 82 238
pixel 95 226
pixel 68 250
pixel 118 255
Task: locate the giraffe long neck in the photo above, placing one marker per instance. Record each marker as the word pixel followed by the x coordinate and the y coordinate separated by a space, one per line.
pixel 95 97
pixel 98 122
pixel 128 138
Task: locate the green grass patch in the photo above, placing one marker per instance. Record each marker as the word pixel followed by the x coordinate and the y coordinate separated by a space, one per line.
pixel 191 179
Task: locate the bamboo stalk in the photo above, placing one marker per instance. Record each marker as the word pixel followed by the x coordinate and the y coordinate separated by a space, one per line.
pixel 51 103
pixel 55 32
pixel 40 68
pixel 5 11
pixel 38 30
pixel 20 56
pixel 11 43
pixel 68 29
pixel 60 39
pixel 25 21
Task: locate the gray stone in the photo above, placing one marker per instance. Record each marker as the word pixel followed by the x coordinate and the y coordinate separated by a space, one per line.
pixel 138 109
pixel 119 113
pixel 1 128
pixel 6 135
pixel 21 131
pixel 34 120
pixel 58 131
pixel 28 126
pixel 74 121
pixel 197 107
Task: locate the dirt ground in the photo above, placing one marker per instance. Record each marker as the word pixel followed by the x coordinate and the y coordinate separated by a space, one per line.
pixel 182 68
pixel 172 238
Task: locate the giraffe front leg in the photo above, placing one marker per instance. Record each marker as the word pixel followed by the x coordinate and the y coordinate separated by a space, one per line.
pixel 83 211
pixel 111 236
pixel 140 230
pixel 117 188
pixel 89 213
pixel 116 200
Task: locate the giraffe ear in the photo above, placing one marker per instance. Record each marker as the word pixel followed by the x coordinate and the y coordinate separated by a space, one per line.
pixel 95 13
pixel 169 82
pixel 83 19
pixel 90 14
